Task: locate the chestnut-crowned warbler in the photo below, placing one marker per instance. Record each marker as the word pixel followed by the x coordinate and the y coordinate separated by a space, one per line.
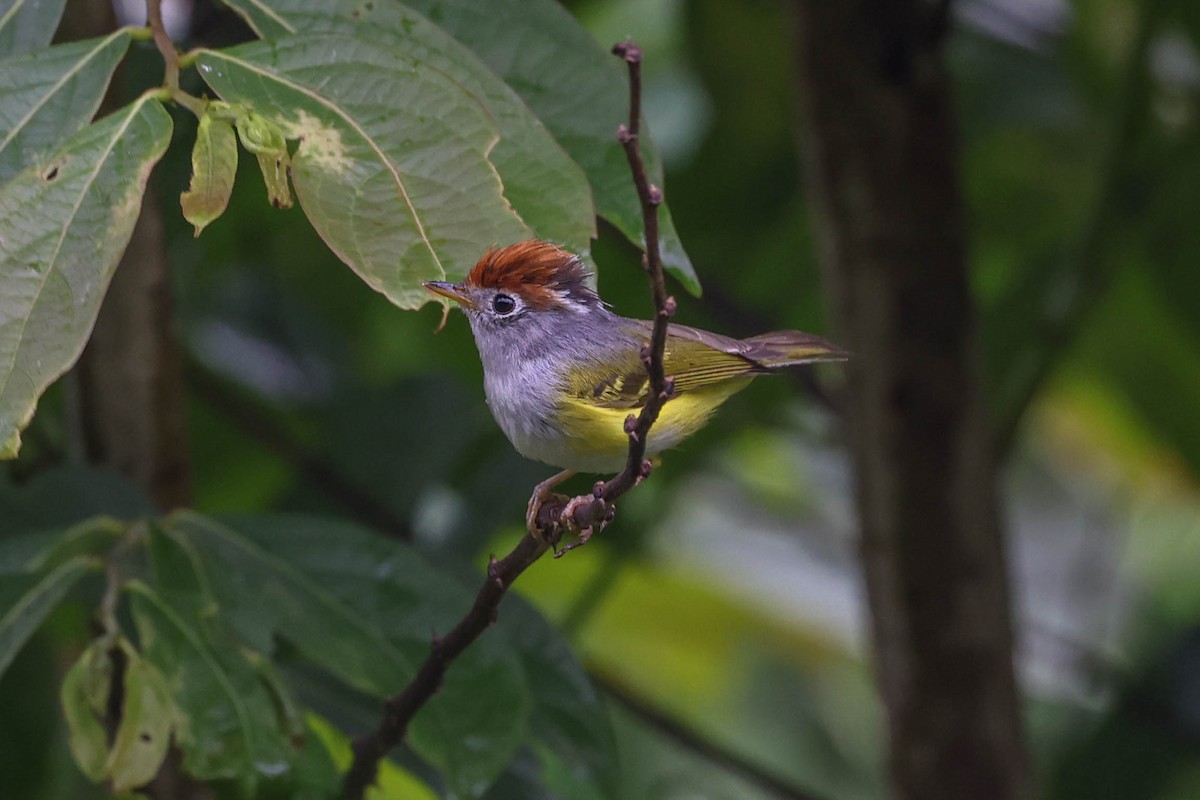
pixel 562 372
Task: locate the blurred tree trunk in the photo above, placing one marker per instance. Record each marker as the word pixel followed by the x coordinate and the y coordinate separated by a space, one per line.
pixel 878 137
pixel 131 384
pixel 130 375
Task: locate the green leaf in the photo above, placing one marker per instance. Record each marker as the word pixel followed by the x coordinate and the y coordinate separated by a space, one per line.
pixel 62 497
pixel 577 89
pixel 546 187
pixel 227 725
pixel 214 167
pixel 84 695
pixel 570 724
pixel 364 608
pixel 27 24
pixel 391 166
pixel 65 228
pixel 147 716
pixel 264 139
pixel 33 604
pixel 50 94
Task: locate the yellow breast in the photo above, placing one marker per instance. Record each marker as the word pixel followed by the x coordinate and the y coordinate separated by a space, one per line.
pixel 596 433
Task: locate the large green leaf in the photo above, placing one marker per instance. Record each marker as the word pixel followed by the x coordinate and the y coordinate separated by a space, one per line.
pixel 50 94
pixel 545 186
pixel 364 609
pixel 227 725
pixel 37 513
pixel 576 88
pixel 23 610
pixel 570 724
pixel 27 24
pixel 66 225
pixel 392 163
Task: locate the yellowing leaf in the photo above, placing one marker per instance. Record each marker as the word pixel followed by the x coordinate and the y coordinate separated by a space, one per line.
pixel 214 167
pixel 86 682
pixel 144 734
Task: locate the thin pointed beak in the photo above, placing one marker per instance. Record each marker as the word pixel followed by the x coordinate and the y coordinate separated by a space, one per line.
pixel 452 290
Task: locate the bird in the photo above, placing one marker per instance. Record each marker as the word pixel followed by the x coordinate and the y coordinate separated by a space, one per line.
pixel 562 371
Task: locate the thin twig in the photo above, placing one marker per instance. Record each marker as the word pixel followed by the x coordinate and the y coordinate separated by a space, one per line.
pixel 588 513
pixel 170 58
pixel 399 710
pixel 585 512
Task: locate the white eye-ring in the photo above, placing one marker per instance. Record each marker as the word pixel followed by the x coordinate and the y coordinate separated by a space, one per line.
pixel 503 305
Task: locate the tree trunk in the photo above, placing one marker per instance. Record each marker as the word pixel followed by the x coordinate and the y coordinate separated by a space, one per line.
pixel 878 139
pixel 131 384
pixel 130 376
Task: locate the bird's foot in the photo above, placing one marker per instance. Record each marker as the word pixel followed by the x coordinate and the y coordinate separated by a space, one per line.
pixel 542 493
pixel 567 520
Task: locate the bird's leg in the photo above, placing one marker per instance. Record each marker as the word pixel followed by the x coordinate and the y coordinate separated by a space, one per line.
pixel 542 493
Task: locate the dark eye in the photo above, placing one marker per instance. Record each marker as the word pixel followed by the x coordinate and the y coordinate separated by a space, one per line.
pixel 503 304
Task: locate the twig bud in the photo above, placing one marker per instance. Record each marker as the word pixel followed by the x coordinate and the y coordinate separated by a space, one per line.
pixel 656 195
pixel 670 306
pixel 631 423
pixel 623 134
pixel 668 387
pixel 647 468
pixel 628 51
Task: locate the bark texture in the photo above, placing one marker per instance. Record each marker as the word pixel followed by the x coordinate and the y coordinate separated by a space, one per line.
pixel 878 138
pixel 131 378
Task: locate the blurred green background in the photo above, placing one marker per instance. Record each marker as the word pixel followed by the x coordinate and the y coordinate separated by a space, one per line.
pixel 726 598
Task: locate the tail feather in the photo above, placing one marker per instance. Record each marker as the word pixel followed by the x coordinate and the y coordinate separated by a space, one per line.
pixel 789 348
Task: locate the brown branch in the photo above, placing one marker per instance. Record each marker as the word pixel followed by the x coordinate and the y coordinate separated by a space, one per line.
pixel 582 513
pixel 588 513
pixel 399 710
pixel 170 58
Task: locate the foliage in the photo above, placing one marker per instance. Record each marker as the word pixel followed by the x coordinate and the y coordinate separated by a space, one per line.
pixel 313 401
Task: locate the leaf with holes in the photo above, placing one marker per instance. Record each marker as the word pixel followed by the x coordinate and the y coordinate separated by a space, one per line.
pixel 546 187
pixel 392 163
pixel 147 716
pixel 65 228
pixel 50 94
pixel 227 724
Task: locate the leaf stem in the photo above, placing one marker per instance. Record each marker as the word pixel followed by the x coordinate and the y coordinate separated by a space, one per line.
pixel 170 59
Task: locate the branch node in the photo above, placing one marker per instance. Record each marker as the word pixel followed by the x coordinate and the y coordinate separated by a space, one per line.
pixel 630 52
pixel 631 424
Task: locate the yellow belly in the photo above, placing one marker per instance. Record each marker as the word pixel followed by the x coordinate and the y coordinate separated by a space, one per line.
pixel 596 435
